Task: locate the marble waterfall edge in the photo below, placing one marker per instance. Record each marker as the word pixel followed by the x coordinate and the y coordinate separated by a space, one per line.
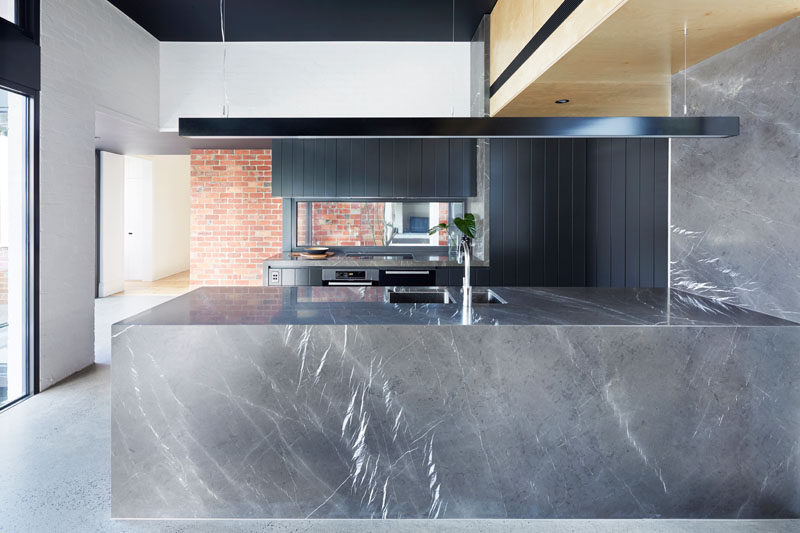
pixel 379 421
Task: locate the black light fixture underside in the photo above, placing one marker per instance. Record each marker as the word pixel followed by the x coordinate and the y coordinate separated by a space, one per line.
pixel 482 127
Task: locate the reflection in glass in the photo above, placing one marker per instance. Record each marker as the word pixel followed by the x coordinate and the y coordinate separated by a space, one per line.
pixel 358 224
pixel 13 247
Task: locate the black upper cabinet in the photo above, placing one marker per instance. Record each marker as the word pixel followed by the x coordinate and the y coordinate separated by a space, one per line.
pixel 374 168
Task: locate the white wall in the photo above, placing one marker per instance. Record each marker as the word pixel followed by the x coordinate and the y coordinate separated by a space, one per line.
pixel 315 79
pixel 170 215
pixel 93 57
pixel 112 231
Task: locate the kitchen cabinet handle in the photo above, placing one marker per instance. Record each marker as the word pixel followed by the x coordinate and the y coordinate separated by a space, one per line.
pixel 404 272
pixel 356 283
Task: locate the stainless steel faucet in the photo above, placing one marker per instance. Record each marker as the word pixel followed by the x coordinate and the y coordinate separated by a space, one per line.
pixel 465 256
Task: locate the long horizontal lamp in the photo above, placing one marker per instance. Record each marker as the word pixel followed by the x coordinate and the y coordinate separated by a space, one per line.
pixel 479 127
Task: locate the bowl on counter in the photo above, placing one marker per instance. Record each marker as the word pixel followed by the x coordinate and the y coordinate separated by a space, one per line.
pixel 317 249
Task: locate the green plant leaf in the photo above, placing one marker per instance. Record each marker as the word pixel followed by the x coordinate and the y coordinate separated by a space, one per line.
pixel 437 228
pixel 466 225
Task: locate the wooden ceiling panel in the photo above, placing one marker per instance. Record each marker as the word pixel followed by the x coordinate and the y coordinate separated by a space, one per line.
pixel 612 58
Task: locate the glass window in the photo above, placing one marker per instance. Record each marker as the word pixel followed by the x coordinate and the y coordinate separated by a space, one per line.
pixel 371 223
pixel 14 142
pixel 8 10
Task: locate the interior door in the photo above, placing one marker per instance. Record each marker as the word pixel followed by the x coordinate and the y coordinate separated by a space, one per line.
pixel 134 195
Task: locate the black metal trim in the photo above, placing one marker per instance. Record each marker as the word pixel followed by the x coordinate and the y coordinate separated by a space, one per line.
pixel 462 127
pixel 291 230
pixel 551 24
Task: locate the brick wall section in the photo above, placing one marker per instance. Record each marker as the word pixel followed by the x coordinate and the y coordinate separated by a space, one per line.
pixel 444 209
pixel 235 222
pixel 348 224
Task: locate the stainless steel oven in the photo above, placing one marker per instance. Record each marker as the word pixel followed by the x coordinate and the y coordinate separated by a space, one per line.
pixel 351 277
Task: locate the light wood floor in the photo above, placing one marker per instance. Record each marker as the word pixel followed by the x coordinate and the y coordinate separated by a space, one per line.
pixel 171 285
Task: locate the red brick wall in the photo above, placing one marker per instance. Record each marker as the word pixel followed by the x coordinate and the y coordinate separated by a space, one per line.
pixel 235 222
pixel 346 224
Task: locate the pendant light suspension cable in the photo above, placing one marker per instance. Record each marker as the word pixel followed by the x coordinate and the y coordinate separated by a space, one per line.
pixel 226 105
pixel 685 66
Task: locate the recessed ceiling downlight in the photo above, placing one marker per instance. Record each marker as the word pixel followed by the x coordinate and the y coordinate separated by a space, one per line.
pixel 562 101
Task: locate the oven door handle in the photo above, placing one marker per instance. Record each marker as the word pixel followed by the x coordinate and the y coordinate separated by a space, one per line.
pixel 351 283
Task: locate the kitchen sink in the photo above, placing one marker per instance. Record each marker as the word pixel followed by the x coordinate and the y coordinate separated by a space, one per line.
pixel 418 296
pixel 486 297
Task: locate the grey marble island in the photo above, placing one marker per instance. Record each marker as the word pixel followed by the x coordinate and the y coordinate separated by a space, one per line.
pixel 329 402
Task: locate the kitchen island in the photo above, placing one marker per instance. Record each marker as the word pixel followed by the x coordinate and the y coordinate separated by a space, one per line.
pixel 331 402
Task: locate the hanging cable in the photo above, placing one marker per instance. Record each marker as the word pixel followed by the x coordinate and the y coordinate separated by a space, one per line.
pixel 685 66
pixel 226 103
pixel 453 77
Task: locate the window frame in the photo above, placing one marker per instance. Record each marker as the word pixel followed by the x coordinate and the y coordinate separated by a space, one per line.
pixel 338 250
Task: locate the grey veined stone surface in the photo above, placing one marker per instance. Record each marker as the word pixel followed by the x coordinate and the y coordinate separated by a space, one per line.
pixel 735 216
pixel 339 421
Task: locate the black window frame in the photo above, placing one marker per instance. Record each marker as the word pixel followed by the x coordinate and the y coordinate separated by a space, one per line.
pixel 20 73
pixel 290 226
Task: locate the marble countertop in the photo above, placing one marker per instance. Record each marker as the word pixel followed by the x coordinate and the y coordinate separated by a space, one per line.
pixel 526 306
pixel 286 260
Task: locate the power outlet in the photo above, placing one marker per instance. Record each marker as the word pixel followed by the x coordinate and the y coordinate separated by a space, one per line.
pixel 274 276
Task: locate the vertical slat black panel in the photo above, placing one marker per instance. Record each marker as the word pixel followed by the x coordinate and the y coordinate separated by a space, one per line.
pixel 330 168
pixel 579 212
pixel 372 168
pixel 319 167
pixel 496 256
pixel 551 213
pixel 277 168
pixel 646 210
pixel 343 167
pixel 415 168
pixel 604 213
pixel 510 241
pixel 523 199
pixel 564 212
pixel 401 168
pixel 469 166
pixel 428 184
pixel 297 167
pixel 537 200
pixel 441 163
pixel 458 170
pixel 309 167
pixel 386 188
pixel 632 150
pixel 661 215
pixel 591 212
pixel 357 168
pixel 617 210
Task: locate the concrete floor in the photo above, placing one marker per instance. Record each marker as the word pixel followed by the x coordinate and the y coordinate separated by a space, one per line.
pixel 55 456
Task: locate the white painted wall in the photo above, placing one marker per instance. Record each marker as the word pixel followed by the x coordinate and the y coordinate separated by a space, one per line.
pixel 170 215
pixel 93 58
pixel 112 230
pixel 315 79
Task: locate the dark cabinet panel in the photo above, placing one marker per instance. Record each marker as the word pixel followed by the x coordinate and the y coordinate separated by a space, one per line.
pixel 578 212
pixel 375 168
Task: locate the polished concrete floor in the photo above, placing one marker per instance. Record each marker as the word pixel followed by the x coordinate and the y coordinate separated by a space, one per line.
pixel 55 455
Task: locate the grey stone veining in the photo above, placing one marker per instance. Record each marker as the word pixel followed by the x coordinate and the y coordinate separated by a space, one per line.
pixel 735 221
pixel 479 90
pixel 301 306
pixel 447 422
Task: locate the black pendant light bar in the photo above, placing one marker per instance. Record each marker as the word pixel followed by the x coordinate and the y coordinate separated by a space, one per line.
pixel 483 127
